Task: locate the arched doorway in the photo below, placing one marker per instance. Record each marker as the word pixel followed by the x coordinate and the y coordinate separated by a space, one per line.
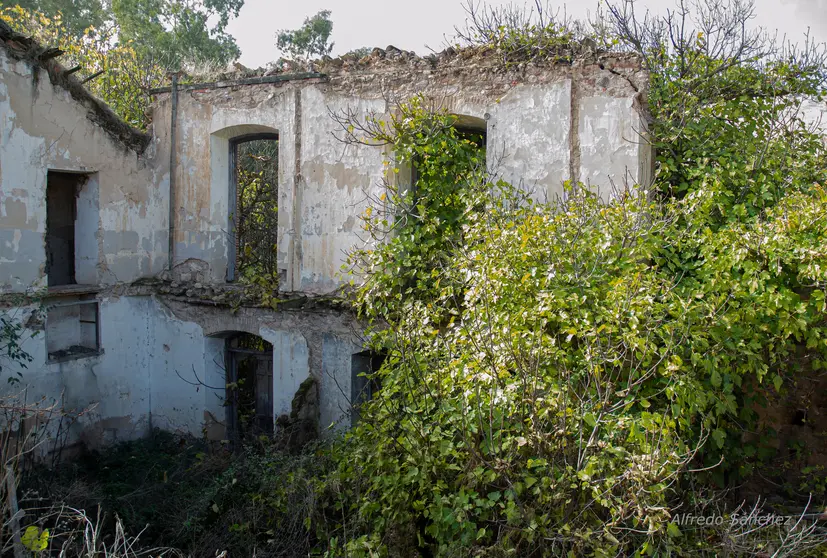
pixel 249 398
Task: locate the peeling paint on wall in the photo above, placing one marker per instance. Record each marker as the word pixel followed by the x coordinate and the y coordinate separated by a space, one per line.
pixel 162 351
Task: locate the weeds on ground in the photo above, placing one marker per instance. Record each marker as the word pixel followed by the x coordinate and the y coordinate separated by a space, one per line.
pixel 178 492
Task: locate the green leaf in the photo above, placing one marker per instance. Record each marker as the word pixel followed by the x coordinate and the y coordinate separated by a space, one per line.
pixel 673 530
pixel 34 539
pixel 777 381
pixel 719 436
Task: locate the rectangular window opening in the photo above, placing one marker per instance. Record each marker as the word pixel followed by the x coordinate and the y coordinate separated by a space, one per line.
pixel 468 128
pixel 73 329
pixel 363 383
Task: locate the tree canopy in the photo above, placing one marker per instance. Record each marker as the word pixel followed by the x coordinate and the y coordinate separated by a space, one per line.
pixel 130 45
pixel 174 31
pixel 311 39
pixel 77 16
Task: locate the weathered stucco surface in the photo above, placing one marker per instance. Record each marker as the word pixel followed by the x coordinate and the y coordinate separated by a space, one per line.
pixel 301 342
pixel 161 356
pixel 162 366
pixel 545 125
pixel 43 128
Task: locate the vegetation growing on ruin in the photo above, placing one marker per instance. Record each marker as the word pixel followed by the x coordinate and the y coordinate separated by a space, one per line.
pixel 12 338
pixel 565 378
pixel 119 74
pixel 560 378
pixel 257 212
pixel 558 375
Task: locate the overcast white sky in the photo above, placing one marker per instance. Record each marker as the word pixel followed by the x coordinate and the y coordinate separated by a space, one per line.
pixel 418 24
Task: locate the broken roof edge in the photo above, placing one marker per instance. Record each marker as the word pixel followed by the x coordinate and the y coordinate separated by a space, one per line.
pixel 394 59
pixel 21 47
pixel 244 81
pixel 486 56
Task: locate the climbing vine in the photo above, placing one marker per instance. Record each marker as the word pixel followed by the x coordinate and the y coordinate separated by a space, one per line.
pixel 436 177
pixel 554 372
pixel 558 377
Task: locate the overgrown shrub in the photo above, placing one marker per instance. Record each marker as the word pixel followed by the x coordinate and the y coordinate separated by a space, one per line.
pixel 554 370
pixel 560 379
pixel 155 485
pixel 178 493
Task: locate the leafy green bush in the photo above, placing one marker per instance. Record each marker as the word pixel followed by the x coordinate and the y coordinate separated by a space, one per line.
pixel 265 504
pixel 556 372
pixel 551 378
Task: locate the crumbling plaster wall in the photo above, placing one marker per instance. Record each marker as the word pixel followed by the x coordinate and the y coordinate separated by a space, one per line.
pixel 43 128
pixel 162 361
pixel 317 343
pixel 48 122
pixel 154 369
pixel 162 366
pixel 137 382
pixel 546 125
pixel 111 392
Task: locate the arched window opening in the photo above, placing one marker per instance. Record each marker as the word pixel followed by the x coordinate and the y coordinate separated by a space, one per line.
pixel 249 387
pixel 254 172
pixel 470 128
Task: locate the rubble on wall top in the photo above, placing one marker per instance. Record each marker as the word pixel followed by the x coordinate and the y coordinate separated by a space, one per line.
pixel 20 47
pixel 227 295
pixel 394 59
pixel 481 56
pixel 231 295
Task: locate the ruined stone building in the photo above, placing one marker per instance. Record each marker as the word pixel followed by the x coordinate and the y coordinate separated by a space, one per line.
pixel 124 239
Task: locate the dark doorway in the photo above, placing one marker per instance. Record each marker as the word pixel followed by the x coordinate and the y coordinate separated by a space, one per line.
pixel 254 208
pixel 61 213
pixel 250 387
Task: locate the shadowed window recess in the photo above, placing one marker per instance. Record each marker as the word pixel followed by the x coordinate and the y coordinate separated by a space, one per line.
pixel 364 382
pixel 73 328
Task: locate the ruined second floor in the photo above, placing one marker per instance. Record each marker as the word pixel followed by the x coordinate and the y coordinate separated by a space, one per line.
pixel 86 201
